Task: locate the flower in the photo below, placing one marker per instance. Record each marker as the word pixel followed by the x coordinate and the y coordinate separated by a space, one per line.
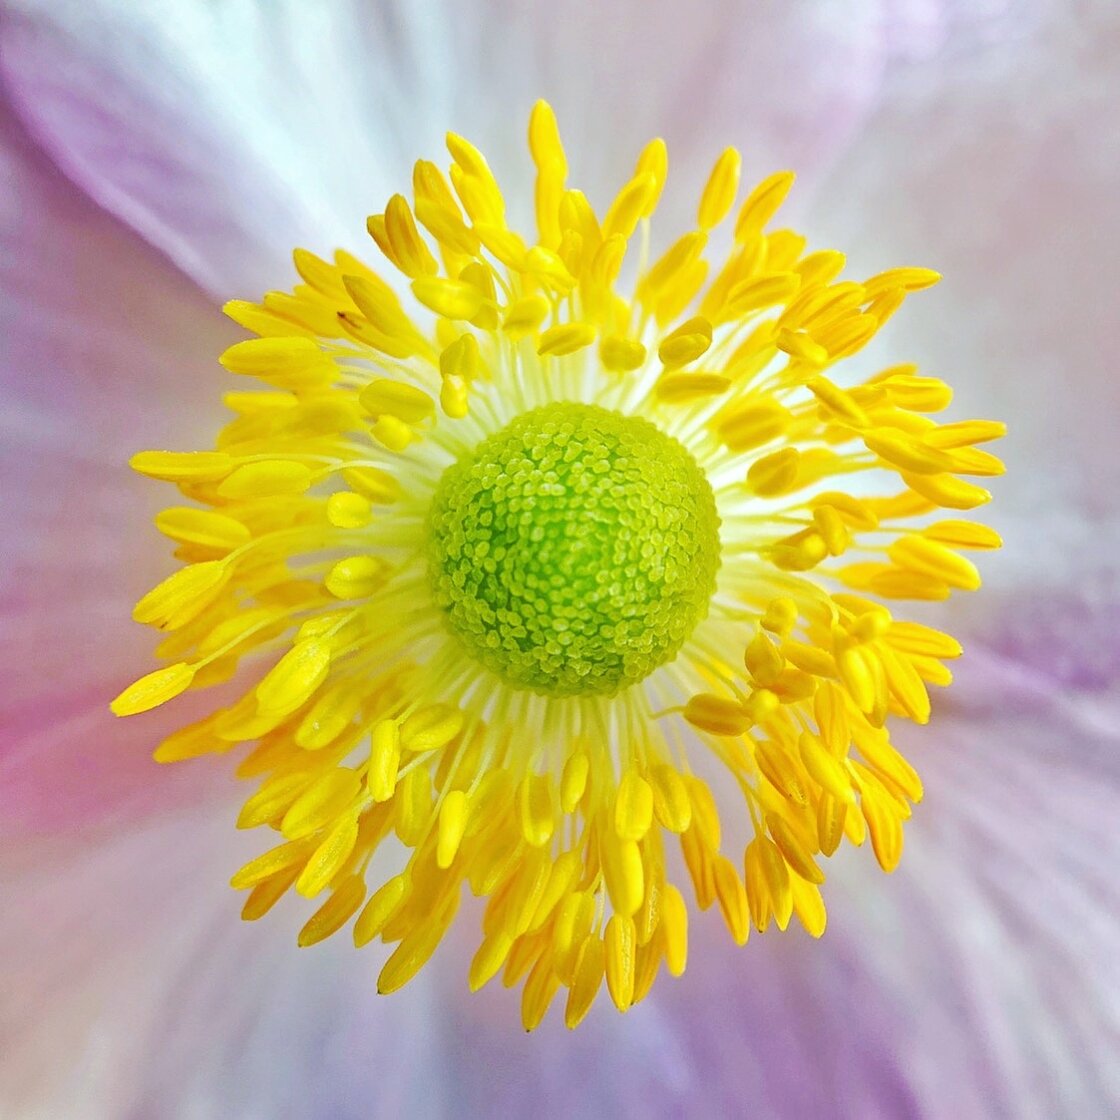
pixel 501 560
pixel 972 981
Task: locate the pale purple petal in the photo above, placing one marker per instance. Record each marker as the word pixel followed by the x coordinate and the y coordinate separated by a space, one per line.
pixel 979 980
pixel 227 134
pixel 997 162
pixel 139 993
pixel 197 125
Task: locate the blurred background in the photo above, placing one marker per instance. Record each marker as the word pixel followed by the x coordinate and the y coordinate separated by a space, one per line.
pixel 159 158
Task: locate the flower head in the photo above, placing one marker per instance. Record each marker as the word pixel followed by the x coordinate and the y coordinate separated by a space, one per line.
pixel 551 557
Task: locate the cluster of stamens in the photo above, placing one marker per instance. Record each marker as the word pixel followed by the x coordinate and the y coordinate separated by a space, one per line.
pixel 542 571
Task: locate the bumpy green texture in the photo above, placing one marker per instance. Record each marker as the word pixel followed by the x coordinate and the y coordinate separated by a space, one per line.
pixel 575 550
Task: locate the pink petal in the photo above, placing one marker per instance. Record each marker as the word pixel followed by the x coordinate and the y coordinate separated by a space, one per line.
pixel 107 348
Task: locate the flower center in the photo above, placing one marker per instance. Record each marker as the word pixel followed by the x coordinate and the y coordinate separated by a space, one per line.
pixel 575 550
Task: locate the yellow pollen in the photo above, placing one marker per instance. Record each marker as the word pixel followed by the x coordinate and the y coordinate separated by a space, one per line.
pixel 442 545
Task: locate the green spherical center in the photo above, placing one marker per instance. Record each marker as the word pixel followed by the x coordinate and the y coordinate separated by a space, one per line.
pixel 574 551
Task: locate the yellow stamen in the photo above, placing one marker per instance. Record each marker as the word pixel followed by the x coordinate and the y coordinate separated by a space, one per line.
pixel 446 527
